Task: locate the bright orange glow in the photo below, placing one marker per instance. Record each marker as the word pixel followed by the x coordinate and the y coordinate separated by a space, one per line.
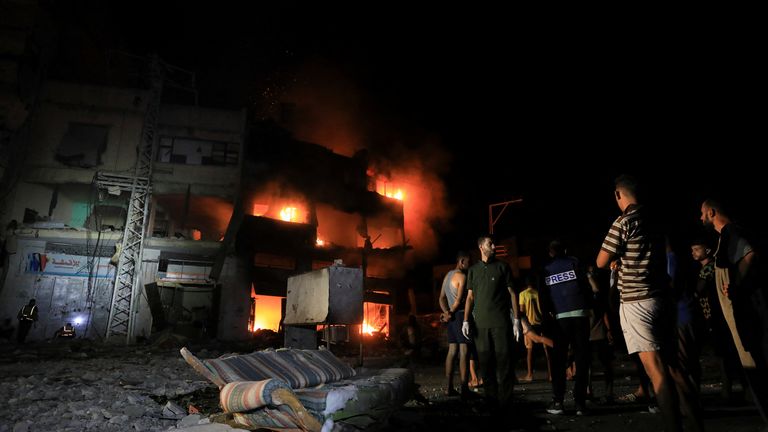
pixel 375 318
pixel 389 190
pixel 265 312
pixel 367 328
pixel 289 214
pixel 260 209
pixel 320 242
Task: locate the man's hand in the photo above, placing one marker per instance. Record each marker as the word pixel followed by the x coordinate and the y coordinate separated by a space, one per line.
pixel 725 289
pixel 517 329
pixel 465 329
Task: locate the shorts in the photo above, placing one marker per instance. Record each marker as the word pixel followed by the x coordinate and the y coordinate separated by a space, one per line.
pixel 528 342
pixel 643 324
pixel 454 328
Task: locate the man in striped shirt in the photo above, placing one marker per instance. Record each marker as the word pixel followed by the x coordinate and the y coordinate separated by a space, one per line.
pixel 642 283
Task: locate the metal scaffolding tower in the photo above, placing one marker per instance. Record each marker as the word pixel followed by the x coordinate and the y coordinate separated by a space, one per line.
pixel 125 294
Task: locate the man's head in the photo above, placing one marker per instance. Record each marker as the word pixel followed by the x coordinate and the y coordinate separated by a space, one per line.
pixel 31 302
pixel 462 260
pixel 700 250
pixel 486 246
pixel 556 248
pixel 626 191
pixel 713 214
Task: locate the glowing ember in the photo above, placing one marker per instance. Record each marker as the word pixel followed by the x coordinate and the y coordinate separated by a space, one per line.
pixel 320 242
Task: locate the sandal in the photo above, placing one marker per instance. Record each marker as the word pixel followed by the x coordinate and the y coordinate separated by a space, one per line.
pixel 629 398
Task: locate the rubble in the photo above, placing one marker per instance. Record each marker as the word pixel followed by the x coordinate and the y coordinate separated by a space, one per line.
pixel 108 389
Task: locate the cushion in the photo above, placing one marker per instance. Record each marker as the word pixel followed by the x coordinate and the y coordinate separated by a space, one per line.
pixel 247 395
pixel 297 368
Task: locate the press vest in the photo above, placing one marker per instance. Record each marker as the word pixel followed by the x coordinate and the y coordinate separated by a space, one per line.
pixel 560 277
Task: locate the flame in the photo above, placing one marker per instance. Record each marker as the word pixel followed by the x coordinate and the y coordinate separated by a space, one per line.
pixel 367 328
pixel 320 242
pixel 289 214
pixel 389 190
pixel 266 313
pixel 375 318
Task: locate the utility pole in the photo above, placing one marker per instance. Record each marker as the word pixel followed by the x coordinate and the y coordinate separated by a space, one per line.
pixel 491 220
pixel 125 293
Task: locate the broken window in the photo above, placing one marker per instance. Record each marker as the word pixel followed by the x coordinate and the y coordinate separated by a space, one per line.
pixel 82 145
pixel 189 151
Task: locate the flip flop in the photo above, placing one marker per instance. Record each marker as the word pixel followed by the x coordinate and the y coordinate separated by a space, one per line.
pixel 629 398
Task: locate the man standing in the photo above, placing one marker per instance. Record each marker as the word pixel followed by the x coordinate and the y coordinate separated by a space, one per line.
pixel 644 288
pixel 567 298
pixel 742 293
pixel 452 300
pixel 492 302
pixel 27 316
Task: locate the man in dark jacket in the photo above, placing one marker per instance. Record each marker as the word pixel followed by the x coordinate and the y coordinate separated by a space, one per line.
pixel 566 297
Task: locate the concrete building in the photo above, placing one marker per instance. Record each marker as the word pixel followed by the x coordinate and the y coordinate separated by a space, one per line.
pixel 66 228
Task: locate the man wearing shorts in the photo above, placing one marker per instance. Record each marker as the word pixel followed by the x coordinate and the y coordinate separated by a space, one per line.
pixel 453 295
pixel 643 284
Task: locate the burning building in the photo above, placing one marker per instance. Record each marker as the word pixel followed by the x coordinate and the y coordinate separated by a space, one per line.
pixel 230 218
pixel 303 213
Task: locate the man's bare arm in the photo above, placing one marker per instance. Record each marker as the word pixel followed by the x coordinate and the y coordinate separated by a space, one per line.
pixel 469 304
pixel 604 259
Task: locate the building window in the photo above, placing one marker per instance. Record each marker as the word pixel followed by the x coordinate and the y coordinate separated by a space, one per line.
pixel 189 151
pixel 82 145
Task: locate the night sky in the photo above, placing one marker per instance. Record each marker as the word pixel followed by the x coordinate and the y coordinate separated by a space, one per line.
pixel 618 98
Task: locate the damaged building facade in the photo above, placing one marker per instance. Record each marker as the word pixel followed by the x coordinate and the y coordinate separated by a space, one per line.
pixel 236 208
pixel 64 227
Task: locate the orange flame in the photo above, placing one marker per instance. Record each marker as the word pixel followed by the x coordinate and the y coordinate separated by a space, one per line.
pixel 389 190
pixel 289 214
pixel 367 328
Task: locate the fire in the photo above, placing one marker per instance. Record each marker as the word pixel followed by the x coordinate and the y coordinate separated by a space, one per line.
pixel 389 190
pixel 368 329
pixel 289 214
pixel 375 318
pixel 265 312
pixel 260 209
pixel 320 242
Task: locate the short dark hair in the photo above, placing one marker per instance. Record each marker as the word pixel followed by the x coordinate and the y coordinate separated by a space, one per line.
pixel 462 254
pixel 628 184
pixel 557 247
pixel 717 205
pixel 483 237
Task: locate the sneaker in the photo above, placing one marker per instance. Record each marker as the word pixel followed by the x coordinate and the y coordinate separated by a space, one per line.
pixel 556 408
pixel 581 410
pixel 654 409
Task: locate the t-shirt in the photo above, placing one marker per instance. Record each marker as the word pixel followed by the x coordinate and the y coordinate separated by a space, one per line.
pixel 492 303
pixel 529 305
